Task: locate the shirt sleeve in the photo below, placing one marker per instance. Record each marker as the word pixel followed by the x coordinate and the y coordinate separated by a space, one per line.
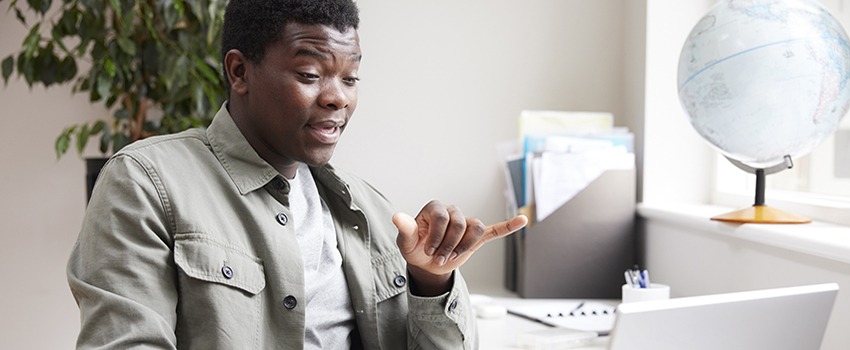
pixel 444 321
pixel 121 270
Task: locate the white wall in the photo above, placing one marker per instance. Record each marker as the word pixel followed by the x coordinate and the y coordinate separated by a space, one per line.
pixel 443 82
pixel 677 162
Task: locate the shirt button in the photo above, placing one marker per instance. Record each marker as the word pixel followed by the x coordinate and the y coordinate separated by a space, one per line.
pixel 282 219
pixel 453 305
pixel 227 272
pixel 399 281
pixel 290 302
pixel 355 227
pixel 278 184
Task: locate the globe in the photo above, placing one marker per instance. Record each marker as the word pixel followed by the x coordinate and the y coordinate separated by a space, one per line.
pixel 761 80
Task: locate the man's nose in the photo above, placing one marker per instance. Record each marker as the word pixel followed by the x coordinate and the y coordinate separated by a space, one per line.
pixel 334 96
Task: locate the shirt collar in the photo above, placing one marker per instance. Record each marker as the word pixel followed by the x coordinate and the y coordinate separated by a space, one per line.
pixel 246 169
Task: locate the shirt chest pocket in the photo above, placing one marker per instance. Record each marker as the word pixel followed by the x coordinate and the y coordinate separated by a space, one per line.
pixel 204 259
pixel 390 273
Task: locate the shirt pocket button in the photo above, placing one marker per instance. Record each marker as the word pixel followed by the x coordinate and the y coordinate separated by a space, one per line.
pixel 227 272
pixel 290 302
pixel 399 281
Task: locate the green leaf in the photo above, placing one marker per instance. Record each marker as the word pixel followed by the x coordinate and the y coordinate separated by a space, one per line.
pixel 44 5
pixel 62 144
pixel 127 45
pixel 104 83
pixel 57 38
pixel 128 27
pixel 122 114
pixel 28 67
pixel 82 138
pixel 34 4
pixel 68 67
pixel 119 140
pixel 170 14
pixel 198 96
pixel 31 41
pixel 109 65
pixel 111 100
pixel 68 21
pixel 180 73
pixel 98 127
pixel 85 84
pixel 205 69
pixel 112 48
pixel 48 67
pixel 150 59
pixel 20 16
pixel 8 65
pixel 105 139
pixel 180 7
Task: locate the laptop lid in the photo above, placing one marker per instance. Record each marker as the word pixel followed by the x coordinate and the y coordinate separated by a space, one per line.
pixel 785 318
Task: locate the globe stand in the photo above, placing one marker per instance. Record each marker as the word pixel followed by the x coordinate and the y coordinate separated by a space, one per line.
pixel 760 213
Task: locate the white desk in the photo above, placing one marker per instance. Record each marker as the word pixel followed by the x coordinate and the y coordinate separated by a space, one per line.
pixel 500 333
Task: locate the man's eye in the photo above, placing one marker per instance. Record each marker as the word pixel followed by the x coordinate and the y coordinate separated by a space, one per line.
pixel 351 80
pixel 309 76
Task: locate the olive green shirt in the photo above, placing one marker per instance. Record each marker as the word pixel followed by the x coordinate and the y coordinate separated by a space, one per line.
pixel 187 244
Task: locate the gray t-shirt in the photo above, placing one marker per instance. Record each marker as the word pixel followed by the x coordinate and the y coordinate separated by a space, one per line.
pixel 329 315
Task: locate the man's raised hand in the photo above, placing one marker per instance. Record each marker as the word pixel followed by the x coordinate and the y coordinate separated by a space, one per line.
pixel 441 239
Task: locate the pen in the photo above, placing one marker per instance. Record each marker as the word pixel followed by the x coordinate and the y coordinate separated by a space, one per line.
pixel 635 279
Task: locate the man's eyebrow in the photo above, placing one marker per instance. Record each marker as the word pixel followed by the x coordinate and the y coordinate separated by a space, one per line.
pixel 314 53
pixel 322 55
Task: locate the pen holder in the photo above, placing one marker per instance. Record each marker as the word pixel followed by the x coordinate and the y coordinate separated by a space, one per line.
pixel 655 291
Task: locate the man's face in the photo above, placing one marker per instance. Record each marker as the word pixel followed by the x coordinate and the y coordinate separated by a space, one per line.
pixel 302 94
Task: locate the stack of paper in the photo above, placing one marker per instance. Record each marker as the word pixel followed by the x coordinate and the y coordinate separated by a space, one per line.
pixel 558 155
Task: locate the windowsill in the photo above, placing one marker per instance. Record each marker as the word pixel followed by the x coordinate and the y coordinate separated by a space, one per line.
pixel 817 238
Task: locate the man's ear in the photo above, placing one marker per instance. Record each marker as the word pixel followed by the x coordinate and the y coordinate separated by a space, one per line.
pixel 236 66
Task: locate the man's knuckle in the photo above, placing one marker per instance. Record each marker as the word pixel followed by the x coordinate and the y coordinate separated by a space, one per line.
pixel 441 217
pixel 458 224
pixel 478 227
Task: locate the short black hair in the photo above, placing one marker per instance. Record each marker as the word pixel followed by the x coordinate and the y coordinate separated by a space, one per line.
pixel 252 25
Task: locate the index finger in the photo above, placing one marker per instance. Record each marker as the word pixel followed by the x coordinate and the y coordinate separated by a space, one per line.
pixel 502 229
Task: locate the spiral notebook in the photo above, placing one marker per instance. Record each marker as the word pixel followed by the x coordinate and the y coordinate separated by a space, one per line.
pixel 583 316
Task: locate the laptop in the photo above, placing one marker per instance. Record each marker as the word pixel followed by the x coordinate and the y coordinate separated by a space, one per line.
pixel 792 318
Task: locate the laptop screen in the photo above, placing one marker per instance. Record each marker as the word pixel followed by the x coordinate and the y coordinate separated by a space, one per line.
pixel 785 318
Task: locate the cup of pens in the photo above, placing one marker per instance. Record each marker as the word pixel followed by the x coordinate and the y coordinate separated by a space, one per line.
pixel 638 287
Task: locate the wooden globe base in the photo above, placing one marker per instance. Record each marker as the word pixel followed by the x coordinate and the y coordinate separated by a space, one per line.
pixel 762 214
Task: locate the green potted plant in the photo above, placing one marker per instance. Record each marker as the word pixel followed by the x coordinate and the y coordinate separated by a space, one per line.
pixel 144 55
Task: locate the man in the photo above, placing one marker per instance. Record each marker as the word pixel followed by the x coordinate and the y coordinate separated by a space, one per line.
pixel 241 236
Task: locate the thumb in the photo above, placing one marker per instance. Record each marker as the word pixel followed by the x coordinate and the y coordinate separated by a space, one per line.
pixel 408 232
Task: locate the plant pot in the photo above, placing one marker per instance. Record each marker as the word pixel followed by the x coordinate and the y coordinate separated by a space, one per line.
pixel 93 166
